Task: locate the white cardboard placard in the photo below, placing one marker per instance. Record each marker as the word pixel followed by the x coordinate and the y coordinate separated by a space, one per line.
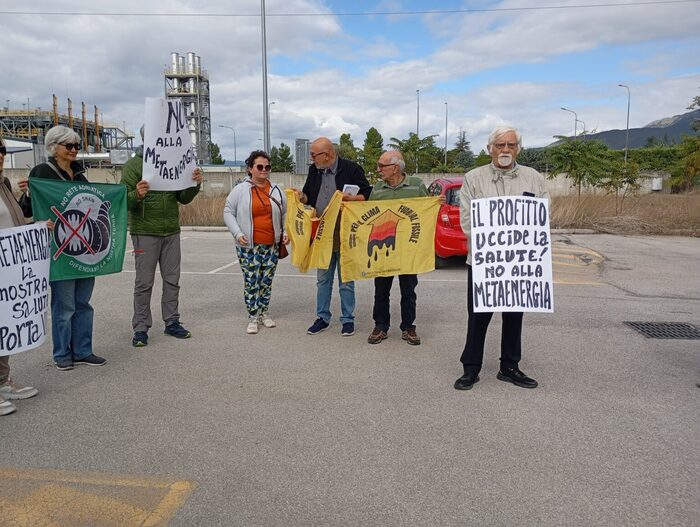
pixel 511 252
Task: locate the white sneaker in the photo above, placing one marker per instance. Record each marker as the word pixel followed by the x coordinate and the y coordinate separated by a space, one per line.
pixel 12 390
pixel 252 327
pixel 6 407
pixel 266 321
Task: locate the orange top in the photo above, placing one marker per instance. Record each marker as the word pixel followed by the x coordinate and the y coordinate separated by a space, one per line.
pixel 263 230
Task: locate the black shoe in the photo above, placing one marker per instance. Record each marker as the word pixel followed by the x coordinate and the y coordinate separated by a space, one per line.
pixel 175 329
pixel 517 377
pixel 348 329
pixel 318 326
pixel 64 364
pixel 91 360
pixel 140 339
pixel 466 381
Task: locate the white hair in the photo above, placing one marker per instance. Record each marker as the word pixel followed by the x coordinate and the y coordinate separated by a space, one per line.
pixel 396 157
pixel 500 131
pixel 57 135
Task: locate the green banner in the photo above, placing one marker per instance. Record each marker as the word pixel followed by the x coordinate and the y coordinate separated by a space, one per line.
pixel 89 238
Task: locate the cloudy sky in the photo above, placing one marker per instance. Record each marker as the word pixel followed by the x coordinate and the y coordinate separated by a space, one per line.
pixel 344 66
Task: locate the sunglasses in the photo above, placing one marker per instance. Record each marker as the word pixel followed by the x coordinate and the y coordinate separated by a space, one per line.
pixel 72 146
pixel 265 168
pixel 3 150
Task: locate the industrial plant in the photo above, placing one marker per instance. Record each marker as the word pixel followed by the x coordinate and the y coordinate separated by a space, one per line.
pixel 186 80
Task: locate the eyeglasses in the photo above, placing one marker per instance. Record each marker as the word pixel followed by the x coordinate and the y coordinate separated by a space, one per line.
pixel 501 146
pixel 314 156
pixel 262 168
pixel 3 150
pixel 71 146
pixel 380 166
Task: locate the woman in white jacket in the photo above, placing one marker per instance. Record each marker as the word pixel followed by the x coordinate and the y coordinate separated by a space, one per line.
pixel 254 213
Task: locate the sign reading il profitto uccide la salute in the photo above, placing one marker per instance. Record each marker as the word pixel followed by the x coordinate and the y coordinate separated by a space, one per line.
pixel 511 254
pixel 168 155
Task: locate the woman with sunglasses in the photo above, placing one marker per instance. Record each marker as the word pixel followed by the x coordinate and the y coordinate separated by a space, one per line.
pixel 71 312
pixel 10 216
pixel 254 213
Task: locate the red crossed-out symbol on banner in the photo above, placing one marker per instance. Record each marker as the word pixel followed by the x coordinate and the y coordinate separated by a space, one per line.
pixel 74 232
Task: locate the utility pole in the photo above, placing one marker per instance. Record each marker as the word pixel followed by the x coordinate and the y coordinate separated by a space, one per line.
pixel 445 135
pixel 266 107
pixel 627 132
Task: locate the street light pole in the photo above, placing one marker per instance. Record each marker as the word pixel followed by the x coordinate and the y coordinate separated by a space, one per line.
pixel 417 124
pixel 235 154
pixel 584 129
pixel 267 138
pixel 417 112
pixel 266 107
pixel 627 132
pixel 445 135
pixel 575 120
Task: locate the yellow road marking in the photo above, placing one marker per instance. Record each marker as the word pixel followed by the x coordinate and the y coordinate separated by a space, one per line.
pixel 575 265
pixel 38 497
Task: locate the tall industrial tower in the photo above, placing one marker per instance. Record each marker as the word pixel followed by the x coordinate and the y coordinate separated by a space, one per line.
pixel 185 79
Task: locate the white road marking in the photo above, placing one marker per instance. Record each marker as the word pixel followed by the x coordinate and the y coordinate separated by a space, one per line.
pixel 223 267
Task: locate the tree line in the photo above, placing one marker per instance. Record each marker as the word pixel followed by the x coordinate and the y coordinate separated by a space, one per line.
pixel 588 163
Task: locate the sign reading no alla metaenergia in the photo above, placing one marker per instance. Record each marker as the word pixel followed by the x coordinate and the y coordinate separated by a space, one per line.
pixel 511 251
pixel 168 155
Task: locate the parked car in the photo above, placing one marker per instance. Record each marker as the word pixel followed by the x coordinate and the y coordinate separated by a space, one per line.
pixel 450 240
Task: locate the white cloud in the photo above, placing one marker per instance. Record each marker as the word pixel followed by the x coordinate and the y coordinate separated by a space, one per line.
pixel 115 62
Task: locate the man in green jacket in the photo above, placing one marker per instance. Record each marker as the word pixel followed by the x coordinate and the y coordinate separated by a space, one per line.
pixel 155 233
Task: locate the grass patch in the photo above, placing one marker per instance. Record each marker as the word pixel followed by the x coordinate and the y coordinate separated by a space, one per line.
pixel 644 214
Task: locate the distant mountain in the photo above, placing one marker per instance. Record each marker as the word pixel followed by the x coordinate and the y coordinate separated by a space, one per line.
pixel 669 130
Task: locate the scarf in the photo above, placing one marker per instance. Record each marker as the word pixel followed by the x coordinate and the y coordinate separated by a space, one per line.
pixel 10 202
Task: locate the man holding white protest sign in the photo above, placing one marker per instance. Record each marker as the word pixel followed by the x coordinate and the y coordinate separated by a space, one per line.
pixel 509 261
pixel 156 187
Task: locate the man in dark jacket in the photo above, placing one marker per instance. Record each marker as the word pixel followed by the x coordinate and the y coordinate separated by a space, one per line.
pixel 155 234
pixel 328 174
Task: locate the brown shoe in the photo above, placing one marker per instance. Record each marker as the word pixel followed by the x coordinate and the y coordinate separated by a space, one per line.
pixel 376 336
pixel 411 337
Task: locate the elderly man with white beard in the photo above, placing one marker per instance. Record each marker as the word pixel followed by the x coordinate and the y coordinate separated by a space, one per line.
pixel 502 177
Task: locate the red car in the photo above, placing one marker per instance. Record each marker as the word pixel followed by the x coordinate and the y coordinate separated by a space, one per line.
pixel 450 240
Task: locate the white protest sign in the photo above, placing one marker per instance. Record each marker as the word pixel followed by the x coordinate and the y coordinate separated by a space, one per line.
pixel 25 257
pixel 511 254
pixel 168 155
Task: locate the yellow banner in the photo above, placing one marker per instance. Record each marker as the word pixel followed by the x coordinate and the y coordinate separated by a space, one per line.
pixel 387 237
pixel 311 237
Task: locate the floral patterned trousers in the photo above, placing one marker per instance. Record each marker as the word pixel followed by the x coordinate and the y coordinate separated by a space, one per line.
pixel 258 265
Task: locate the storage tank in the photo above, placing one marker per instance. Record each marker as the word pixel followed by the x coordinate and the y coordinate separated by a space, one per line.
pixel 174 62
pixel 188 81
pixel 190 62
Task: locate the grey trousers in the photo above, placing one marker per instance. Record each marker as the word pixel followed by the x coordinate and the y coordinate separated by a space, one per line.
pixel 4 369
pixel 150 251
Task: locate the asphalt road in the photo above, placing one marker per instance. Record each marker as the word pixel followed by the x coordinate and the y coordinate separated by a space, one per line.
pixel 283 428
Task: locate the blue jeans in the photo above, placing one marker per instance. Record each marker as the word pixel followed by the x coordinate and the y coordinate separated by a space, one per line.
pixel 71 318
pixel 324 289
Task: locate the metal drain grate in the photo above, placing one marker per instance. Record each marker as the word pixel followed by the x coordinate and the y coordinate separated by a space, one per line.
pixel 666 330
